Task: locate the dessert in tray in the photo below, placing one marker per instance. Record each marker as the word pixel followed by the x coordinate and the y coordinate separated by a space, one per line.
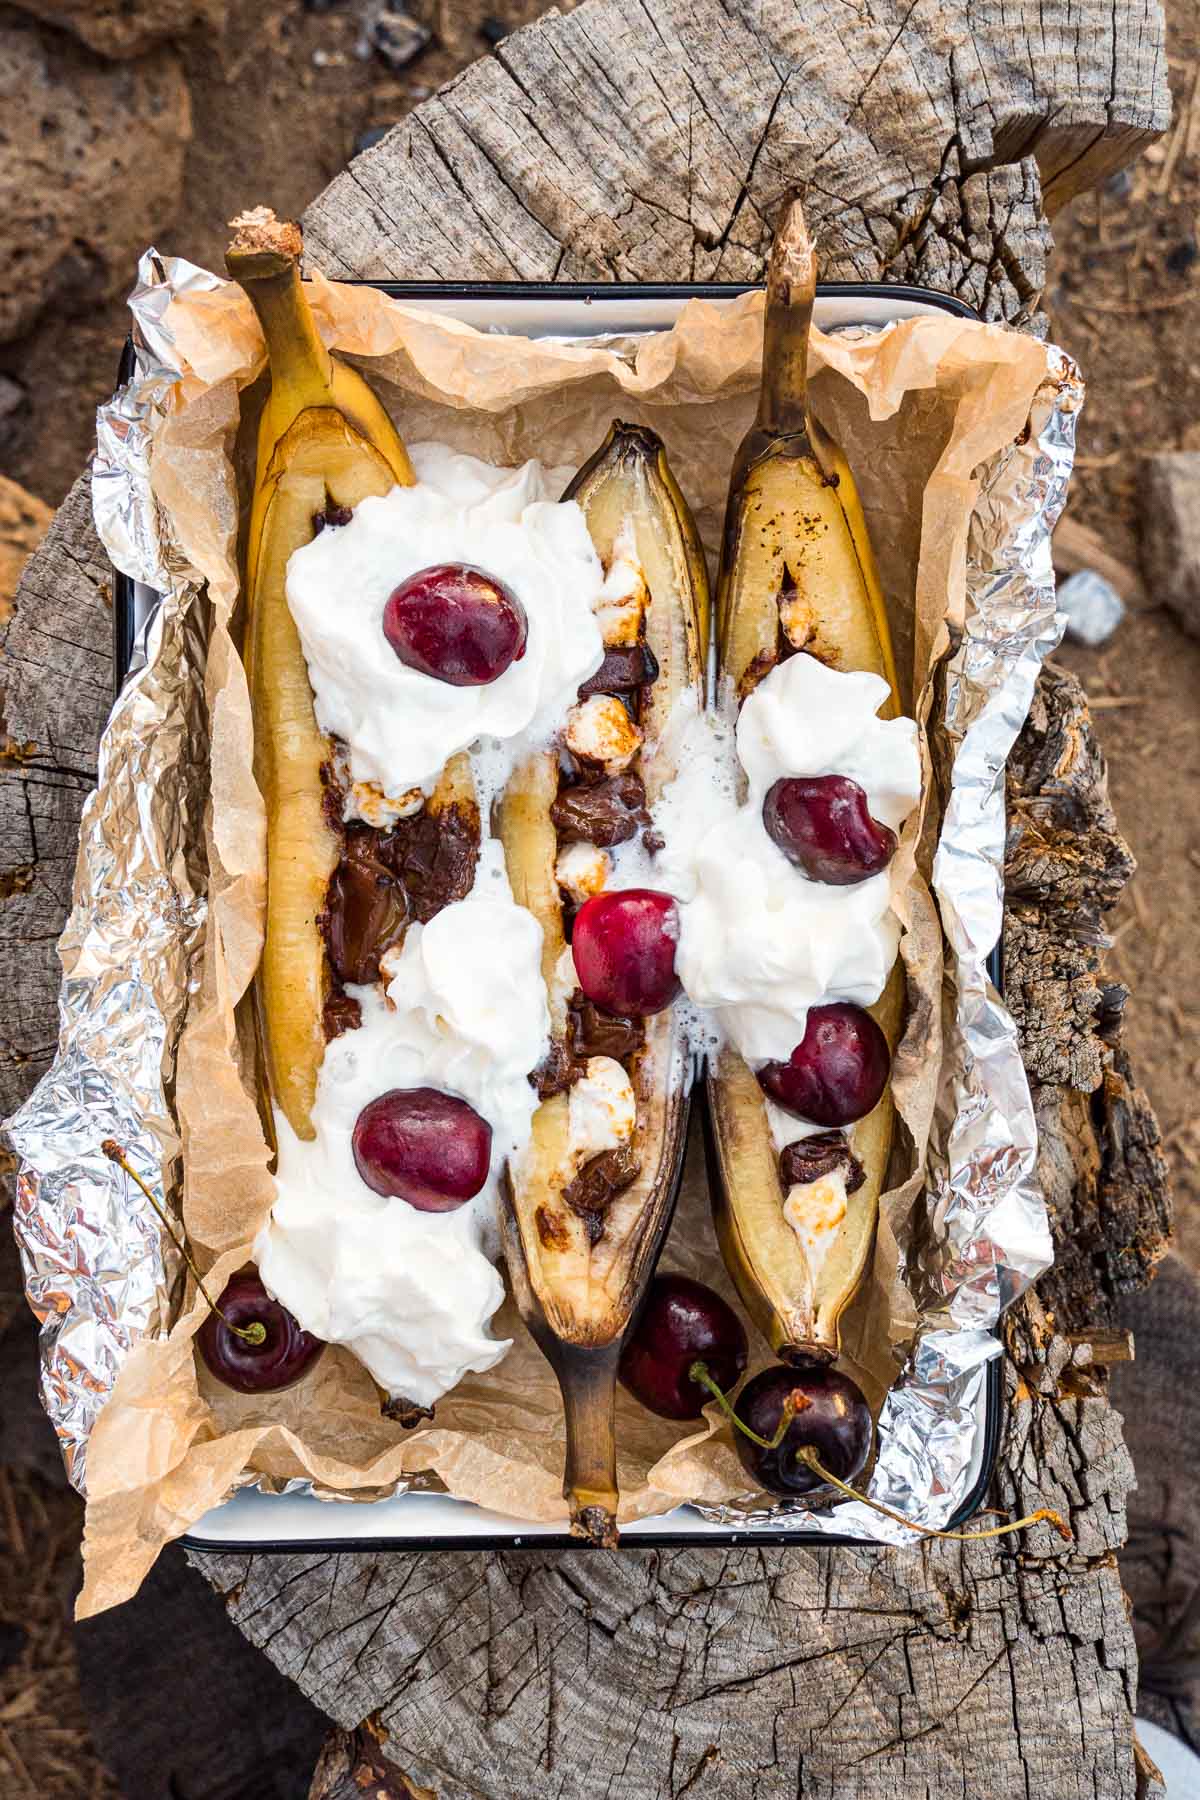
pixel 531 860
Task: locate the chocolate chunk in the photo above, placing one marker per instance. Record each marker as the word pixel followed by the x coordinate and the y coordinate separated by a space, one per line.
pixel 365 908
pixel 602 812
pixel 434 854
pixel 341 1013
pixel 625 667
pixel 332 515
pixel 591 1032
pixel 599 1182
pixel 820 1155
pixel 557 1071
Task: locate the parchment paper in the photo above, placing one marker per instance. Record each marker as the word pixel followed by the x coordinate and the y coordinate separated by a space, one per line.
pixel 917 408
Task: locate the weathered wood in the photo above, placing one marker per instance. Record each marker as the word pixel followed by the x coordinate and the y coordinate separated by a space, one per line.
pixel 647 142
pixel 57 689
pixel 653 142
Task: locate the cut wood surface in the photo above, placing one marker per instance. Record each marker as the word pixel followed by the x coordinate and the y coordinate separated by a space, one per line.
pixel 654 142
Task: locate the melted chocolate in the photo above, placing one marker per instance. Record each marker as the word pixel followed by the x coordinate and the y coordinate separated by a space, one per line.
pixel 602 812
pixel 365 908
pixel 341 1013
pixel 598 1183
pixel 626 667
pixel 820 1155
pixel 332 515
pixel 434 854
pixel 557 1071
pixel 591 1032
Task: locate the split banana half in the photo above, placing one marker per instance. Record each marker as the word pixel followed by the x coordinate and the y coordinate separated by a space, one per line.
pixel 797 573
pixel 578 1291
pixel 324 439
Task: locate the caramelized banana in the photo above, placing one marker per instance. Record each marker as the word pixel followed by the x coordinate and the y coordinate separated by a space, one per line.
pixel 324 439
pixel 796 572
pixel 577 1286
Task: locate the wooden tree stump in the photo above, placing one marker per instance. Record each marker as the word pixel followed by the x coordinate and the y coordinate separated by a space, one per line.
pixel 653 142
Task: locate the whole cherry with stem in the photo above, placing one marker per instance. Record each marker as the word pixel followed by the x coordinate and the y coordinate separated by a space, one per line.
pixel 819 1405
pixel 249 1341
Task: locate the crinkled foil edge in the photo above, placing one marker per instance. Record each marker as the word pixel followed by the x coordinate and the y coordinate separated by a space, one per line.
pixel 99 1270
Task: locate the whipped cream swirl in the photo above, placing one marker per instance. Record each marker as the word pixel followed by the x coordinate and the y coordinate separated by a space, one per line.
pixel 402 726
pixel 412 1293
pixel 759 943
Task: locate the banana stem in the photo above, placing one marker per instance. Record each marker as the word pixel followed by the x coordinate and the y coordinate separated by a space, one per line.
pixel 264 260
pixel 791 290
pixel 588 1380
pixel 1044 1514
pixel 255 1333
pixel 793 1404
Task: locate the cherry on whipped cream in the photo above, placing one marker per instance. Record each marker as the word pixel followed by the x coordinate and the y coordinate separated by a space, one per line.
pixel 838 1070
pixel 456 623
pixel 423 1146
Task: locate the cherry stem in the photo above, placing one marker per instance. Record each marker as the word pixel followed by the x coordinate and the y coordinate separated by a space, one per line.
pixel 254 1333
pixel 699 1373
pixel 808 1455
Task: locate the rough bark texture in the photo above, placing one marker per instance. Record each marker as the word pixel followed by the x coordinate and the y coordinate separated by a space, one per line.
pixel 643 141
pixel 653 142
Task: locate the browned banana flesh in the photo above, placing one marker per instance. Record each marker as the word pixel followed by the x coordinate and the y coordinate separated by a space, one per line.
pixel 797 575
pixel 581 1240
pixel 324 442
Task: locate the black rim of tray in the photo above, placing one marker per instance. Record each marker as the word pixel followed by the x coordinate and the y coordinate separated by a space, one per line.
pixel 123 647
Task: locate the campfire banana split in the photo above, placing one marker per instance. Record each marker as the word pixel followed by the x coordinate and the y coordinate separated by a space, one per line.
pixel 800 1107
pixel 460 687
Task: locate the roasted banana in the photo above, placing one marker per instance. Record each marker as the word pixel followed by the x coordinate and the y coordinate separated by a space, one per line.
pixel 578 1264
pixel 324 440
pixel 797 575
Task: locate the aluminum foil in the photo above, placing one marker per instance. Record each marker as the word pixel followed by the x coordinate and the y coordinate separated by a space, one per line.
pixel 100 1272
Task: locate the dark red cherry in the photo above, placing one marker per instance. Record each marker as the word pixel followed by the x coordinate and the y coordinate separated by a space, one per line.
pixel 456 623
pixel 838 1070
pixel 832 1418
pixel 623 944
pixel 285 1354
pixel 823 824
pixel 423 1146
pixel 682 1322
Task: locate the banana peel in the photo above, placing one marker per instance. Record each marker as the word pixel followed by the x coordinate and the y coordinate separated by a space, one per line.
pixel 323 438
pixel 796 571
pixel 578 1296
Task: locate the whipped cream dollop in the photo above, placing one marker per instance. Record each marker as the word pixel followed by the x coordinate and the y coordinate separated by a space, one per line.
pixel 412 1293
pixel 402 726
pixel 759 943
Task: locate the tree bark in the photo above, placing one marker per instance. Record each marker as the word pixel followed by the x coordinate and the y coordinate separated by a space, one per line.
pixel 654 142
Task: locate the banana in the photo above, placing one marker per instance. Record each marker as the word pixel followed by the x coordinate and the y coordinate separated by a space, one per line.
pixel 323 439
pixel 796 568
pixel 578 1292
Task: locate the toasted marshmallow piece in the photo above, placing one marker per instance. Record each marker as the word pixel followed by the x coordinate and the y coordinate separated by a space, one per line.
pixel 582 870
pixel 600 732
pixel 368 802
pixel 815 1210
pixel 601 1110
pixel 622 601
